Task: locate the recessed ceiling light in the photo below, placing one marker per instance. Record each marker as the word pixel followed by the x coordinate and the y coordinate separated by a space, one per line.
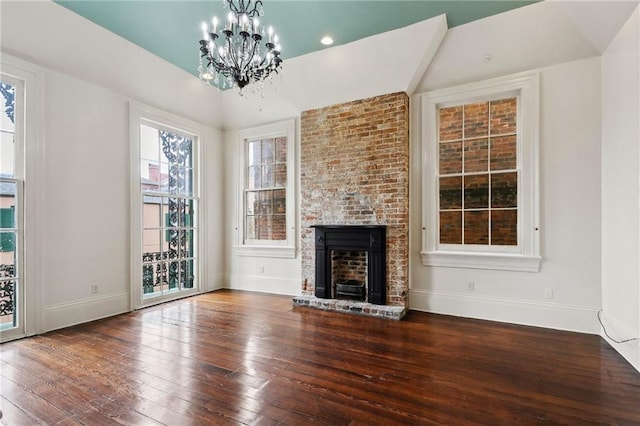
pixel 326 40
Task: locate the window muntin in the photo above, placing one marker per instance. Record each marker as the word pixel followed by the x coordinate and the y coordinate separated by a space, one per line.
pixel 266 189
pixel 477 173
pixel 169 206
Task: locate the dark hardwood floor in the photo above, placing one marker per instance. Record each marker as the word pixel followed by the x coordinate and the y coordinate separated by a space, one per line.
pixel 244 358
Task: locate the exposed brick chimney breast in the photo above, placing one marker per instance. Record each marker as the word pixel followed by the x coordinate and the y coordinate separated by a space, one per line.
pixel 355 171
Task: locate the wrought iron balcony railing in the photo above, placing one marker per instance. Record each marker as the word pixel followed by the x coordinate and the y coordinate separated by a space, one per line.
pixel 162 271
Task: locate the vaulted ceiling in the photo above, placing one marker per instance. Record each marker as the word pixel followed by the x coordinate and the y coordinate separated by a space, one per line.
pixel 170 29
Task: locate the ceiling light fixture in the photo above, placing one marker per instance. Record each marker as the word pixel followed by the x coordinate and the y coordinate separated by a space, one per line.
pixel 326 40
pixel 237 56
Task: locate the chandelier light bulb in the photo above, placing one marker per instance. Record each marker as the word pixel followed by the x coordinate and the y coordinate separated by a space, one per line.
pixel 214 21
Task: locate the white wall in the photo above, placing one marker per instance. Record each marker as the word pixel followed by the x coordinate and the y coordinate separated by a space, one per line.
pixel 570 221
pixel 84 186
pixel 620 182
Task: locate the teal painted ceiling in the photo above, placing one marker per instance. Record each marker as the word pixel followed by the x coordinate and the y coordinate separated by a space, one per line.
pixel 171 29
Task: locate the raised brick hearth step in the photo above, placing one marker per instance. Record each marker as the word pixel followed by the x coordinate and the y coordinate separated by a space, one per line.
pixel 352 307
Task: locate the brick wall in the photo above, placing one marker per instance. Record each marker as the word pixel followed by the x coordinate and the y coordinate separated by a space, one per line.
pixel 355 171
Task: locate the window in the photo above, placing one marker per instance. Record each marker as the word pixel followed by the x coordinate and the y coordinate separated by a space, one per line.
pixel 266 204
pixel 480 175
pixel 166 206
pixel 11 202
pixel 266 190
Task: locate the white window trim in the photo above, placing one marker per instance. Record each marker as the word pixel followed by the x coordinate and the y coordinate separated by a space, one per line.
pixel 285 248
pixel 32 156
pixel 139 114
pixel 527 255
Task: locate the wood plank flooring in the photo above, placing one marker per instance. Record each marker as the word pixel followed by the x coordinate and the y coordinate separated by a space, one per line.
pixel 243 358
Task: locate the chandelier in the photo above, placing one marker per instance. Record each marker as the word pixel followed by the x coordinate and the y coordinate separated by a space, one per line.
pixel 236 55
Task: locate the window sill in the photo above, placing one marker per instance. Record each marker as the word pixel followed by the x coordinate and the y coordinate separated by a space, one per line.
pixel 493 261
pixel 286 252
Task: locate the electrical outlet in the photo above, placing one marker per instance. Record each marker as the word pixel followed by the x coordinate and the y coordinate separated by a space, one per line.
pixel 262 269
pixel 471 286
pixel 548 293
pixel 94 289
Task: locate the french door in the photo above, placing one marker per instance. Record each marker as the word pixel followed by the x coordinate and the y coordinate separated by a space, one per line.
pixel 169 212
pixel 12 289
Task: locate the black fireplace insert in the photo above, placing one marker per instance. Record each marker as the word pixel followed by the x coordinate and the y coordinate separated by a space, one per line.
pixel 368 238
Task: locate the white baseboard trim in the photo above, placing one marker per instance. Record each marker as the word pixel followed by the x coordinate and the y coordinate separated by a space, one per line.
pixel 559 317
pixel 629 350
pixel 262 284
pixel 78 312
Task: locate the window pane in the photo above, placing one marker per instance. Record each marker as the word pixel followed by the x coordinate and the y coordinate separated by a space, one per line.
pixel 252 202
pixel 476 155
pixel 8 216
pixel 170 242
pixel 172 216
pixel 450 160
pixel 280 201
pixel 504 227
pixel 7 107
pixel 476 227
pixel 189 247
pixel 503 153
pixel 151 212
pixel 188 271
pixel 151 241
pixel 254 153
pixel 7 264
pixel 183 208
pixel 504 190
pixel 254 177
pixel 250 227
pixel 266 203
pixel 451 192
pixel 149 143
pixel 476 192
pixel 7 242
pixel 281 175
pixel 476 120
pixel 267 176
pixel 7 302
pixel 450 123
pixel 188 182
pixel 174 275
pixel 6 154
pixel 503 116
pixel 263 227
pixel 150 178
pixel 279 228
pixel 281 150
pixel 268 151
pixel 190 216
pixel 451 227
